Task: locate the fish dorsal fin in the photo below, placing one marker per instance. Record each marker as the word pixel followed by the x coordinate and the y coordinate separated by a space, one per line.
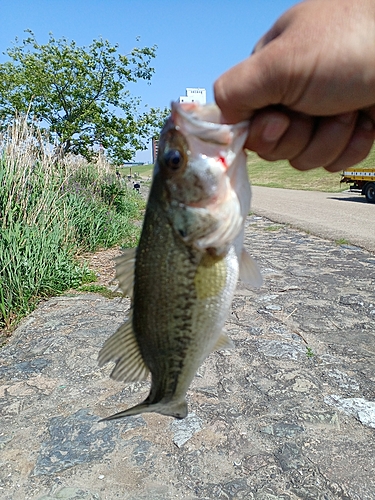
pixel 224 342
pixel 125 270
pixel 249 270
pixel 122 348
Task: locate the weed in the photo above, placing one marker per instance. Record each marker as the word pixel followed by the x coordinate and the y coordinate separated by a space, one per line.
pixel 309 352
pixel 100 289
pixel 342 241
pixel 90 277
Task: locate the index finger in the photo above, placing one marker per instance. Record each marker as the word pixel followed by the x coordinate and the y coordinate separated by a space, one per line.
pixel 248 86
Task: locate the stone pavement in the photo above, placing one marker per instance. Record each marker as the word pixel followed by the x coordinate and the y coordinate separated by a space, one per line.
pixel 288 414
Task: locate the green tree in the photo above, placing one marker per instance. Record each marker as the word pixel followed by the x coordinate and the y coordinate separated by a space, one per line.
pixel 79 95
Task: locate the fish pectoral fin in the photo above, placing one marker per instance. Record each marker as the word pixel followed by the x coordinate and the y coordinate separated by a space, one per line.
pixel 125 270
pixel 249 270
pixel 122 348
pixel 224 342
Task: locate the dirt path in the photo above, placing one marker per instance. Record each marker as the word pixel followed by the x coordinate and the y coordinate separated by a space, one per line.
pixel 337 216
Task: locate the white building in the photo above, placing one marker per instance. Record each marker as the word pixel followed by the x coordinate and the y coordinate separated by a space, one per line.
pixel 194 94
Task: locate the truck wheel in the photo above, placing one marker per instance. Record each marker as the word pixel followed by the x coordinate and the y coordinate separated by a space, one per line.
pixel 369 192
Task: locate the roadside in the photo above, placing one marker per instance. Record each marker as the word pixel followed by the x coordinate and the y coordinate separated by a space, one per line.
pixel 340 217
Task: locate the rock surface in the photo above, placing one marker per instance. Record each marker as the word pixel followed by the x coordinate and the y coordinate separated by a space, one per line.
pixel 287 414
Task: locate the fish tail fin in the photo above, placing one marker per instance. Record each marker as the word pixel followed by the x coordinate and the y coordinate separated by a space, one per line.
pixel 176 409
pixel 134 410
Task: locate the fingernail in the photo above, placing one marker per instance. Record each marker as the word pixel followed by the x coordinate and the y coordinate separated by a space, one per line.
pixel 274 128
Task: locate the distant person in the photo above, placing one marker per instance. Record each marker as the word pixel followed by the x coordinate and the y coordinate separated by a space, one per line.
pixel 309 86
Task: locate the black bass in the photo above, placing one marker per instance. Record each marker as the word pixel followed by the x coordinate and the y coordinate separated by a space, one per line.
pixel 183 275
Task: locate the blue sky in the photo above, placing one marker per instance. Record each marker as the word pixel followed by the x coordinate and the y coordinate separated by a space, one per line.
pixel 197 40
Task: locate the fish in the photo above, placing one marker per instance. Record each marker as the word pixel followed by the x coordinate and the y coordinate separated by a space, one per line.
pixel 183 274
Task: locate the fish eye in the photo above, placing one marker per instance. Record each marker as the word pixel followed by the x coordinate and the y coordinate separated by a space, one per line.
pixel 173 159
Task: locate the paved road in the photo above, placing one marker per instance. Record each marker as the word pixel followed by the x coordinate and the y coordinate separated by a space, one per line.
pixel 334 216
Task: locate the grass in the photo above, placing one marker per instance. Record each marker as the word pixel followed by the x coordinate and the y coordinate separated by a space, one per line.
pixel 49 214
pixel 144 171
pixel 103 290
pixel 342 241
pixel 280 174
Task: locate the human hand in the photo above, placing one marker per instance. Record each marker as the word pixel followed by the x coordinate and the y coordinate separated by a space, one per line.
pixel 309 86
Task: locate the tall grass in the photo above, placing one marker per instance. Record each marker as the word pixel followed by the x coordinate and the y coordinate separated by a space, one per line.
pixel 49 213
